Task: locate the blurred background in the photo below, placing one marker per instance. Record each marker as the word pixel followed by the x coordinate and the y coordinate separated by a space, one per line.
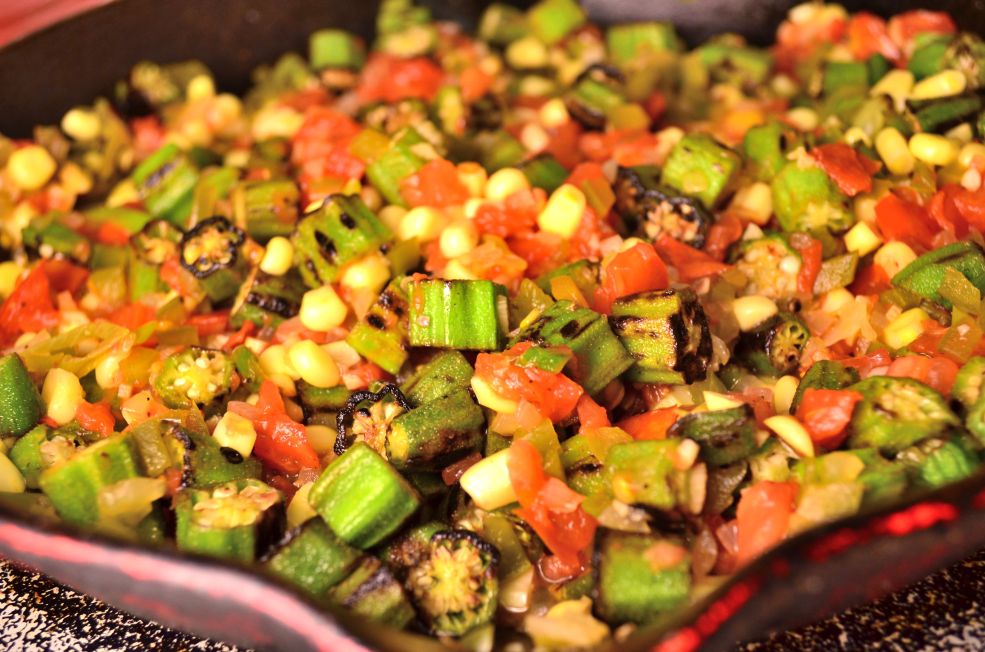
pixel 19 17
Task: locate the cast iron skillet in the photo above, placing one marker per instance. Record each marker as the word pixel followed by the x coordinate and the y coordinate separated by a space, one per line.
pixel 810 576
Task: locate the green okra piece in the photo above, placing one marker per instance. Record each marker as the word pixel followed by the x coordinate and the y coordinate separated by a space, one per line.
pixel 806 200
pixel 501 24
pixel 582 470
pixel 929 56
pixel 939 116
pixel 46 236
pixel 650 209
pixel 600 356
pixel 74 485
pixel 267 300
pixel 362 497
pixel 166 183
pixel 937 462
pixel 397 163
pixel 212 252
pixel 372 592
pixel 195 376
pixel 235 520
pixel 313 558
pixel 335 48
pixel 341 231
pixel 457 314
pixel 628 42
pixel 643 472
pixel 26 455
pixel 552 359
pixel 264 209
pixel 765 147
pixel 630 586
pixel 552 20
pixel 725 436
pixel 701 168
pixel 824 374
pixel 381 335
pixel 771 265
pixel 584 273
pixel 927 276
pixel 451 111
pixel 443 374
pixel 595 94
pixel 845 74
pixel 247 365
pixel 21 407
pixel 774 347
pixel 544 171
pixel 666 333
pixel 437 433
pixel 883 481
pixel 735 65
pixel 896 413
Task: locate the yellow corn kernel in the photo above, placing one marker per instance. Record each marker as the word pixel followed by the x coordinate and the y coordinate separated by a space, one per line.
pixel 933 149
pixel 11 480
pixel 63 394
pixel 458 239
pixel 527 52
pixel 321 438
pixel 276 121
pixel 275 361
pixel 563 212
pixel 235 432
pixel 123 193
pixel 299 510
pixel 803 118
pixel 968 153
pixel 534 137
pixel 74 179
pixel 10 272
pixel 473 176
pixel 392 215
pixel 455 270
pixel 894 151
pixel 862 239
pixel 905 328
pixel 554 113
pixel 486 396
pixel 754 202
pixel 505 182
pixel 200 87
pixel 322 309
pixel 864 207
pixel 423 222
pixel 717 401
pixel 31 167
pixel 369 273
pixel 783 393
pixel 944 84
pixel 81 124
pixel 897 84
pixel 471 207
pixel 278 257
pixel 108 372
pixel 835 300
pixel 793 433
pixel 753 310
pixel 894 256
pixel 313 363
pixel 857 135
pixel 487 481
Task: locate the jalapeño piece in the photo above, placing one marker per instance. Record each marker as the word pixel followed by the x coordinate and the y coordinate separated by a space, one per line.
pixel 652 210
pixel 21 407
pixel 774 347
pixel 457 314
pixel 725 436
pixel 824 374
pixel 896 413
pixel 600 357
pixel 340 231
pixel 770 264
pixel 372 591
pixel 631 586
pixel 313 558
pixel 156 242
pixel 701 168
pixel 381 335
pixel 195 376
pixel 166 182
pixel 234 520
pixel 438 377
pixel 211 252
pixel 264 209
pixel 666 332
pixel 247 365
pixel 927 276
pixel 267 300
pixel 455 585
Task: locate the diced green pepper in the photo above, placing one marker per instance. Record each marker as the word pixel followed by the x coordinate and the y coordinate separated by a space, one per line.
pixel 552 20
pixel 627 42
pixel 845 74
pixel 544 171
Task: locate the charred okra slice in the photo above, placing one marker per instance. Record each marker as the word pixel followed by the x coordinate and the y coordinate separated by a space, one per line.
pixel 157 242
pixel 455 586
pixel 896 413
pixel 264 209
pixel 74 485
pixel 235 520
pixel 937 462
pixel 313 558
pixel 666 332
pixel 770 264
pixel 211 251
pixel 637 577
pixel 652 210
pixel 373 592
pixel 362 497
pixel 968 385
pixel 166 182
pixel 582 469
pixel 381 335
pixel 725 436
pixel 267 300
pixel 338 232
pixel 732 64
pixel 806 200
pixel 932 275
pixel 774 347
pixel 21 407
pixel 596 92
pixel 599 358
pixel 457 314
pixel 766 146
pixel 824 374
pixel 46 236
pixel 194 377
pixel 438 377
pixel 701 168
pixel 643 472
pixel 370 424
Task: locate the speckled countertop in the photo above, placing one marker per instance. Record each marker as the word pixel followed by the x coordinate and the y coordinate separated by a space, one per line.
pixel 943 612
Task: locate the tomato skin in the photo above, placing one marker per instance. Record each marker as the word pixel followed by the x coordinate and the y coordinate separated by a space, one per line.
pixel 899 219
pixel 591 414
pixel 864 364
pixel 826 414
pixel 388 78
pixel 554 395
pixel 763 517
pixel 637 269
pixel 435 184
pixel 811 256
pixel 691 263
pixel 871 279
pixel 96 417
pixel 29 307
pixel 868 35
pixel 722 234
pixel 282 443
pixel 526 471
pixel 132 316
pixel 211 323
pixel 850 170
pixel 904 27
pixel 515 215
pixel 936 371
pixel 109 233
pixel 649 425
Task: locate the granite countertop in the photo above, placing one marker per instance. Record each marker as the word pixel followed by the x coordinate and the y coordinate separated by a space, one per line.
pixel 946 611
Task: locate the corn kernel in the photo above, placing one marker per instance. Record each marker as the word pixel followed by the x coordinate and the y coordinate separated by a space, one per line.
pixel 455 270
pixel 505 182
pixel 369 273
pixel 717 401
pixel 856 135
pixel 752 311
pixel 235 432
pixel 31 167
pixel 11 480
pixel 471 207
pixel 278 257
pixel 423 222
pixel 487 481
pixel 458 239
pixel 897 84
pixel 299 510
pixel 864 207
pixel 81 124
pixel 803 118
pixel 274 361
pixel 322 309
pixel 527 52
pixel 392 215
pixel 971 179
pixel 534 138
pixel 793 433
pixel 554 113
pixel 200 87
pixel 754 202
pixel 276 121
pixel 905 329
pixel 322 438
pixel 894 151
pixel 862 239
pixel 563 212
pixel 835 300
pixel 473 176
pixel 783 393
pixel 313 363
pixel 933 149
pixel 74 179
pixel 486 396
pixel 63 394
pixel 963 133
pixel 125 192
pixel 894 256
pixel 9 274
pixel 108 372
pixel 968 153
pixel 943 84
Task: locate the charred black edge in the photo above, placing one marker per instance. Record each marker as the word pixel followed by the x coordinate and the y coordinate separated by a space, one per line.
pixel 344 416
pixel 218 222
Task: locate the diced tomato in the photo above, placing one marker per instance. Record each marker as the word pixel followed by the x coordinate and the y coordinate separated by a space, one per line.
pixel 638 269
pixel 148 135
pixel 132 316
pixel 65 276
pixel 937 371
pixel 435 184
pixel 110 233
pixel 796 42
pixel 904 27
pixel 364 374
pixel 691 263
pixel 281 443
pixel 293 329
pixel 591 414
pixel 211 323
pixel 722 234
pixel 95 417
pixel 907 221
pixel 29 307
pixel 542 251
pixel 826 414
pixel 475 83
pixel 944 209
pixel 178 278
pixel 649 425
pixel 871 279
pixel 563 143
pixel 864 364
pixel 811 257
pixel 655 105
pixel 763 517
pixel 526 471
pixel 850 170
pixel 587 239
pixel 970 205
pixel 388 78
pixel 868 35
pixel 494 261
pixel 553 394
pixel 515 215
pixel 240 336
